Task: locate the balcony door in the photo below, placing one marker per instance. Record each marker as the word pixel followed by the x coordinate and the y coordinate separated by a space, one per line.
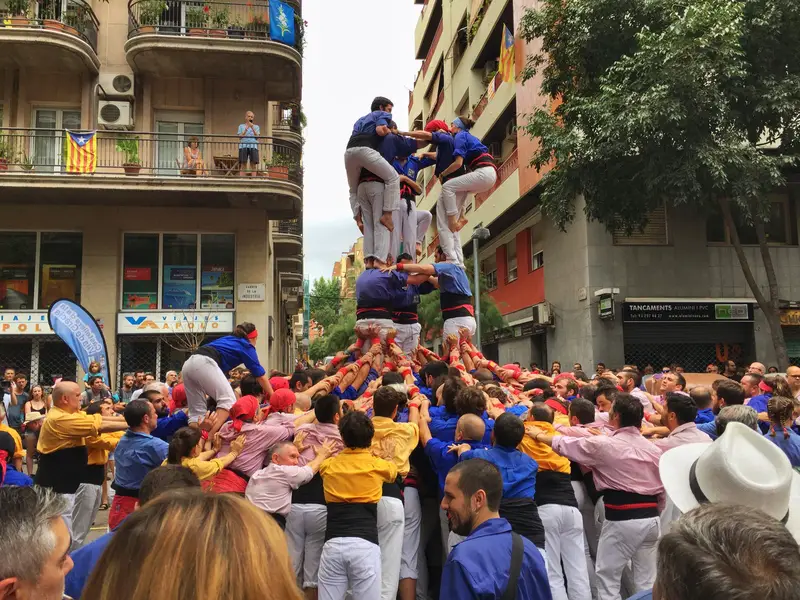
pixel 174 133
pixel 48 140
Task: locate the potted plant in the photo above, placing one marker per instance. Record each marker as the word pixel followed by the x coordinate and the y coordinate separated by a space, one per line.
pixel 257 26
pixel 150 12
pixel 49 15
pixel 74 19
pixel 197 19
pixel 19 13
pixel 236 29
pixel 7 155
pixel 219 20
pixel 278 168
pixel 26 163
pixel 129 146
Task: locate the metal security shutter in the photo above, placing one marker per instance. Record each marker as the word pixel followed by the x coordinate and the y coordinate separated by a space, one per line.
pixel 653 234
pixel 690 333
pixel 792 337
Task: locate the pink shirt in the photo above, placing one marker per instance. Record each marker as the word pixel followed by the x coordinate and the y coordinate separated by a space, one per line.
pixel 623 460
pixel 642 397
pixel 688 433
pixel 280 418
pixel 316 435
pixel 270 488
pixel 259 438
pixel 583 430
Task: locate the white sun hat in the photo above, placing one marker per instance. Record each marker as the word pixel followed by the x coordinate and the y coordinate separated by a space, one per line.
pixel 740 467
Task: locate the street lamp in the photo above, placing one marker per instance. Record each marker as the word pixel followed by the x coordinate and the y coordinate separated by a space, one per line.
pixel 478 233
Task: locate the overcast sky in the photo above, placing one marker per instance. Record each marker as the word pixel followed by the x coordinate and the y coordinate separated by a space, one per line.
pixel 357 49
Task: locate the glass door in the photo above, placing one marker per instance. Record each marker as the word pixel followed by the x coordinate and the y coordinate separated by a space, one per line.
pixel 49 137
pixel 173 138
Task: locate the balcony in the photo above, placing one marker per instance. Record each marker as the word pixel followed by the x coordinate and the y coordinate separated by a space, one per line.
pixel 287 123
pixel 290 279
pixel 287 238
pixel 61 36
pixel 429 57
pixel 179 38
pixel 430 16
pixel 39 166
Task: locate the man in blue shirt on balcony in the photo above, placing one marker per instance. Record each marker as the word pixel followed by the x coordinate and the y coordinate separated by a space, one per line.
pixel 248 143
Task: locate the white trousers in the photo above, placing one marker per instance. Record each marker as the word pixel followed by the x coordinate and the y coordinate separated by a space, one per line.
pixel 376 236
pixel 305 531
pixel 391 524
pixel 350 563
pixel 407 336
pixel 69 511
pixel 563 531
pixel 424 218
pixel 411 534
pixel 623 541
pixel 359 158
pixel 451 203
pixel 590 530
pixel 87 503
pixel 409 229
pixel 384 324
pixel 202 377
pixel 451 326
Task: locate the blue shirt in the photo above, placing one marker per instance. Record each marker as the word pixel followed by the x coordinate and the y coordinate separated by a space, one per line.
pixel 452 279
pixel 136 455
pixel 368 123
pixel 249 140
pixel 167 426
pixel 233 351
pixel 14 477
pixel 394 146
pixel 351 393
pixel 444 427
pixel 518 469
pixel 445 144
pixel 412 166
pixel 85 559
pixel 409 295
pixel 468 146
pixel 479 566
pixel 645 595
pixel 704 415
pixel 442 460
pixel 377 289
pixel 790 445
pixel 710 429
pixel 759 403
pixel 518 410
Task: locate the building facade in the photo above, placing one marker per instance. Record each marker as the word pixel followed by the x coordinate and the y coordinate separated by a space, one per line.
pixel 127 189
pixel 348 267
pixel 674 292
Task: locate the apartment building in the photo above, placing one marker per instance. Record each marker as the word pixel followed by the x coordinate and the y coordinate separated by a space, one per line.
pixel 348 267
pixel 164 236
pixel 671 293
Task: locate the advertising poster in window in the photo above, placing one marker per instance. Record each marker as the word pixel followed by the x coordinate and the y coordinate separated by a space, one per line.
pixel 139 289
pixel 217 287
pixel 16 282
pixel 58 281
pixel 180 287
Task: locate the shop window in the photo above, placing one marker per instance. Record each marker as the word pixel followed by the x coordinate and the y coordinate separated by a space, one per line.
pixel 17 270
pixel 217 258
pixel 537 260
pixel 140 271
pixel 179 286
pixel 511 260
pixel 60 259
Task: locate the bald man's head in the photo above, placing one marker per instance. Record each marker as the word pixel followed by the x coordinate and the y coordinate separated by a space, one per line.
pixel 757 368
pixel 67 396
pixel 471 427
pixel 303 401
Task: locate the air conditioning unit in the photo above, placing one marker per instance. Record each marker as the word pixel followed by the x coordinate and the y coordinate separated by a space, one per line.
pixel 542 314
pixel 117 85
pixel 511 130
pixel 115 115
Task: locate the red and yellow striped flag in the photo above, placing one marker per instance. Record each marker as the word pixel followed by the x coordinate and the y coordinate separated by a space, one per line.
pixel 81 152
pixel 507 55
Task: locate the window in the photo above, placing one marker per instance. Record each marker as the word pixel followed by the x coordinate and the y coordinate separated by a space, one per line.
pixel 654 232
pixel 537 261
pixel 26 285
pixel 778 229
pixel 48 142
pixel 489 267
pixel 175 130
pixel 461 42
pixel 179 257
pixel 511 260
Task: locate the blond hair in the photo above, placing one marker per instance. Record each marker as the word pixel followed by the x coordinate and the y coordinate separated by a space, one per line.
pixel 189 545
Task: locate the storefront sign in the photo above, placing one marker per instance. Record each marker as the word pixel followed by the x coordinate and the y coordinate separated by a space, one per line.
pixel 790 317
pixel 252 292
pixel 154 322
pixel 671 312
pixel 24 323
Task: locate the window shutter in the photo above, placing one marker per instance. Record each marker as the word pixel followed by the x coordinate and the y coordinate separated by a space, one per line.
pixel 653 234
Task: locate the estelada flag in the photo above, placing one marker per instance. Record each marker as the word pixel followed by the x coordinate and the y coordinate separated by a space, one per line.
pixel 81 152
pixel 507 55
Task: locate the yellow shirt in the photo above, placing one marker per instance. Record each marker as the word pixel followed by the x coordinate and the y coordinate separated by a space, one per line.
pixel 62 430
pixel 397 440
pixel 543 454
pixel 204 469
pixel 99 446
pixel 18 451
pixel 356 476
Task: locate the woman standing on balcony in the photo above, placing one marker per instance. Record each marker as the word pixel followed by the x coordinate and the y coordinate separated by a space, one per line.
pixel 205 373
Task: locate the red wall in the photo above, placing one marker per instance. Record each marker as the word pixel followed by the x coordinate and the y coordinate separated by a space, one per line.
pixel 528 288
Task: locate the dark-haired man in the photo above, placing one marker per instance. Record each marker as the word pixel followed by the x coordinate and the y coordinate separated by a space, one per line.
pixel 156 482
pixel 300 381
pixel 625 468
pixel 681 413
pixel 728 393
pixel 168 423
pixel 630 381
pixel 353 484
pixel 137 453
pixel 428 374
pixel 703 399
pixel 97 391
pixel 492 558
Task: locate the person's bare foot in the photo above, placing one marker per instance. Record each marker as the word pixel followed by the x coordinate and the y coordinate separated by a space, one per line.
pixel 419 248
pixel 452 223
pixel 386 221
pixel 461 223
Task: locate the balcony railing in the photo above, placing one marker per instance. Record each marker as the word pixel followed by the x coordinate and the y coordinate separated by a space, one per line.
pixel 285 117
pixel 238 21
pixel 290 227
pixel 432 49
pixel 504 171
pixel 74 17
pixel 46 152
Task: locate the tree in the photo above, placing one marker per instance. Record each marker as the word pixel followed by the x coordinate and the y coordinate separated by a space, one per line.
pixel 325 301
pixel 430 313
pixel 318 349
pixel 678 102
